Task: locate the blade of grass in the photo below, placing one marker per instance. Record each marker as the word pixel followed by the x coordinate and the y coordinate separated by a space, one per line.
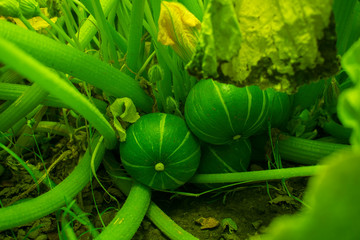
pixel 54 199
pixel 22 164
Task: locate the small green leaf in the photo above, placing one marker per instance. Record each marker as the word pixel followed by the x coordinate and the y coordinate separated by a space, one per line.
pixel 228 223
pixel 124 111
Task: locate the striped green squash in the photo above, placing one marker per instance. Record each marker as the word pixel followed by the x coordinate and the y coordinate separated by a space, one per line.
pixel 227 158
pixel 219 113
pixel 160 151
pixel 280 107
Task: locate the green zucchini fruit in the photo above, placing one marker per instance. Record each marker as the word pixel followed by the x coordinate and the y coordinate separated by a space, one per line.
pixel 227 158
pixel 280 107
pixel 220 113
pixel 160 151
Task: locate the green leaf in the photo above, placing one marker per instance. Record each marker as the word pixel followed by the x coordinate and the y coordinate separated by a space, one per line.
pixel 284 44
pixel 219 41
pixel 347 18
pixel 228 223
pixel 349 99
pixel 333 196
pixel 124 111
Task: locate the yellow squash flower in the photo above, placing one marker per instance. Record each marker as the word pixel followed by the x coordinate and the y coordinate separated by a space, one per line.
pixel 179 29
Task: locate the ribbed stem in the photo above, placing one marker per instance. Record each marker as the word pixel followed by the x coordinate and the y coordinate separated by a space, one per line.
pixel 107 41
pixel 154 213
pixel 29 100
pixel 306 151
pixel 28 211
pixel 12 92
pixel 337 130
pixel 128 219
pixel 254 176
pixel 77 64
pixel 51 184
pixel 51 82
pixel 134 42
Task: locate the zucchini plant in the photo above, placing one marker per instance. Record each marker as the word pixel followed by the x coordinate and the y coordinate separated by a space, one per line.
pixel 97 51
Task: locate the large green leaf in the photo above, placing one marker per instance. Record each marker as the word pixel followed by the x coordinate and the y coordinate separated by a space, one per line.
pixel 284 44
pixel 349 107
pixel 334 210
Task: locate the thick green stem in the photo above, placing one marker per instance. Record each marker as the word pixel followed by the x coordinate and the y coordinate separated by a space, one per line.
pixel 28 211
pixel 337 130
pixel 134 42
pixel 29 100
pixel 11 92
pixel 54 128
pixel 26 23
pixel 306 151
pixel 128 219
pixel 51 82
pixel 51 184
pixel 154 213
pixel 254 176
pixel 77 64
pixel 107 41
pixel 89 28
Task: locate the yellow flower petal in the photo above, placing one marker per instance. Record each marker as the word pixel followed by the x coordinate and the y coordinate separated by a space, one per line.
pixel 179 29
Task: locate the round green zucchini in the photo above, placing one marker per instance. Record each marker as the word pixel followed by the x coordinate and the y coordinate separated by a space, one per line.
pixel 228 158
pixel 219 113
pixel 160 151
pixel 280 107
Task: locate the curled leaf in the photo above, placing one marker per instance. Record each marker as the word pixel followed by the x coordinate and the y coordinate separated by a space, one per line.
pixel 123 111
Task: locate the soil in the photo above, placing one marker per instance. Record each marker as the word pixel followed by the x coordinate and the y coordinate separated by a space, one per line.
pixel 234 213
pixel 247 208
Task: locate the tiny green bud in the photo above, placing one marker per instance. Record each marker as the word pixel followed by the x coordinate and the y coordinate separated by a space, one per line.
pixel 155 73
pixel 29 8
pixel 9 8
